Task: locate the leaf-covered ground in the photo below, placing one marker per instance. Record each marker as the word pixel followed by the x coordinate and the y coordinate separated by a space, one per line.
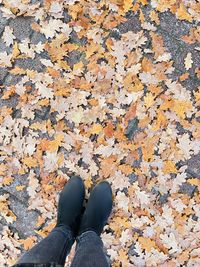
pixel 107 90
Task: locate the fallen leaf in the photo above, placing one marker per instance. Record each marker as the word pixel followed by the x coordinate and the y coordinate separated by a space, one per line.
pixel 188 61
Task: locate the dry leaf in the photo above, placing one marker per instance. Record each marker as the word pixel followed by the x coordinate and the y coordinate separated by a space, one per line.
pixel 188 61
pixel 8 36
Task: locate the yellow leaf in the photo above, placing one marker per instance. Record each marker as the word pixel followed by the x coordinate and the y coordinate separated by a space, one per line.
pixel 9 92
pixel 169 167
pixel 31 73
pixel 21 171
pixel 38 126
pixel 20 187
pixel 3 168
pixel 154 17
pixel 126 169
pixel 30 162
pixel 61 159
pixel 182 13
pixel 194 181
pixel 146 243
pixel 46 230
pixel 16 51
pixel 17 70
pixel 7 180
pixel 141 17
pixel 138 86
pixel 91 49
pixel 88 182
pixel 149 100
pixel 123 258
pixel 127 5
pixel 78 66
pixel 143 2
pixel 161 121
pixel 147 152
pixel 53 145
pixel 181 107
pixel 96 129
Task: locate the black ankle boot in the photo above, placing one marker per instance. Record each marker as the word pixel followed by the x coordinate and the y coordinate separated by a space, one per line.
pixel 98 209
pixel 70 204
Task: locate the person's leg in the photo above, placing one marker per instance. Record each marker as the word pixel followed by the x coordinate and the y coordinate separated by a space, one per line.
pixel 89 250
pixel 55 247
pixel 52 249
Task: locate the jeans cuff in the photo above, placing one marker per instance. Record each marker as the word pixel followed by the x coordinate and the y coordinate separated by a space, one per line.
pixel 65 230
pixel 91 237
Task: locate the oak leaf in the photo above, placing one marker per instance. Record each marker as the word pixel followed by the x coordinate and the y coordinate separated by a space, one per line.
pixel 188 61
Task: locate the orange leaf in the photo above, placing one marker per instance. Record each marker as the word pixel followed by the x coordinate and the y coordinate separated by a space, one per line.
pixel 184 76
pixel 28 242
pixel 123 258
pixel 108 166
pixel 126 169
pixel 109 129
pixel 131 113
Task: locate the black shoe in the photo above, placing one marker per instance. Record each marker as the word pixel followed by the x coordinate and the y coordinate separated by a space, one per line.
pixel 98 209
pixel 70 204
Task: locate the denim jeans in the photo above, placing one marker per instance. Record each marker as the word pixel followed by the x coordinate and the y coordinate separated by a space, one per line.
pixel 56 246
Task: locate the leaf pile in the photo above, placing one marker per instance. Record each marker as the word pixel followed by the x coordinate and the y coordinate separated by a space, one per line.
pixel 106 103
